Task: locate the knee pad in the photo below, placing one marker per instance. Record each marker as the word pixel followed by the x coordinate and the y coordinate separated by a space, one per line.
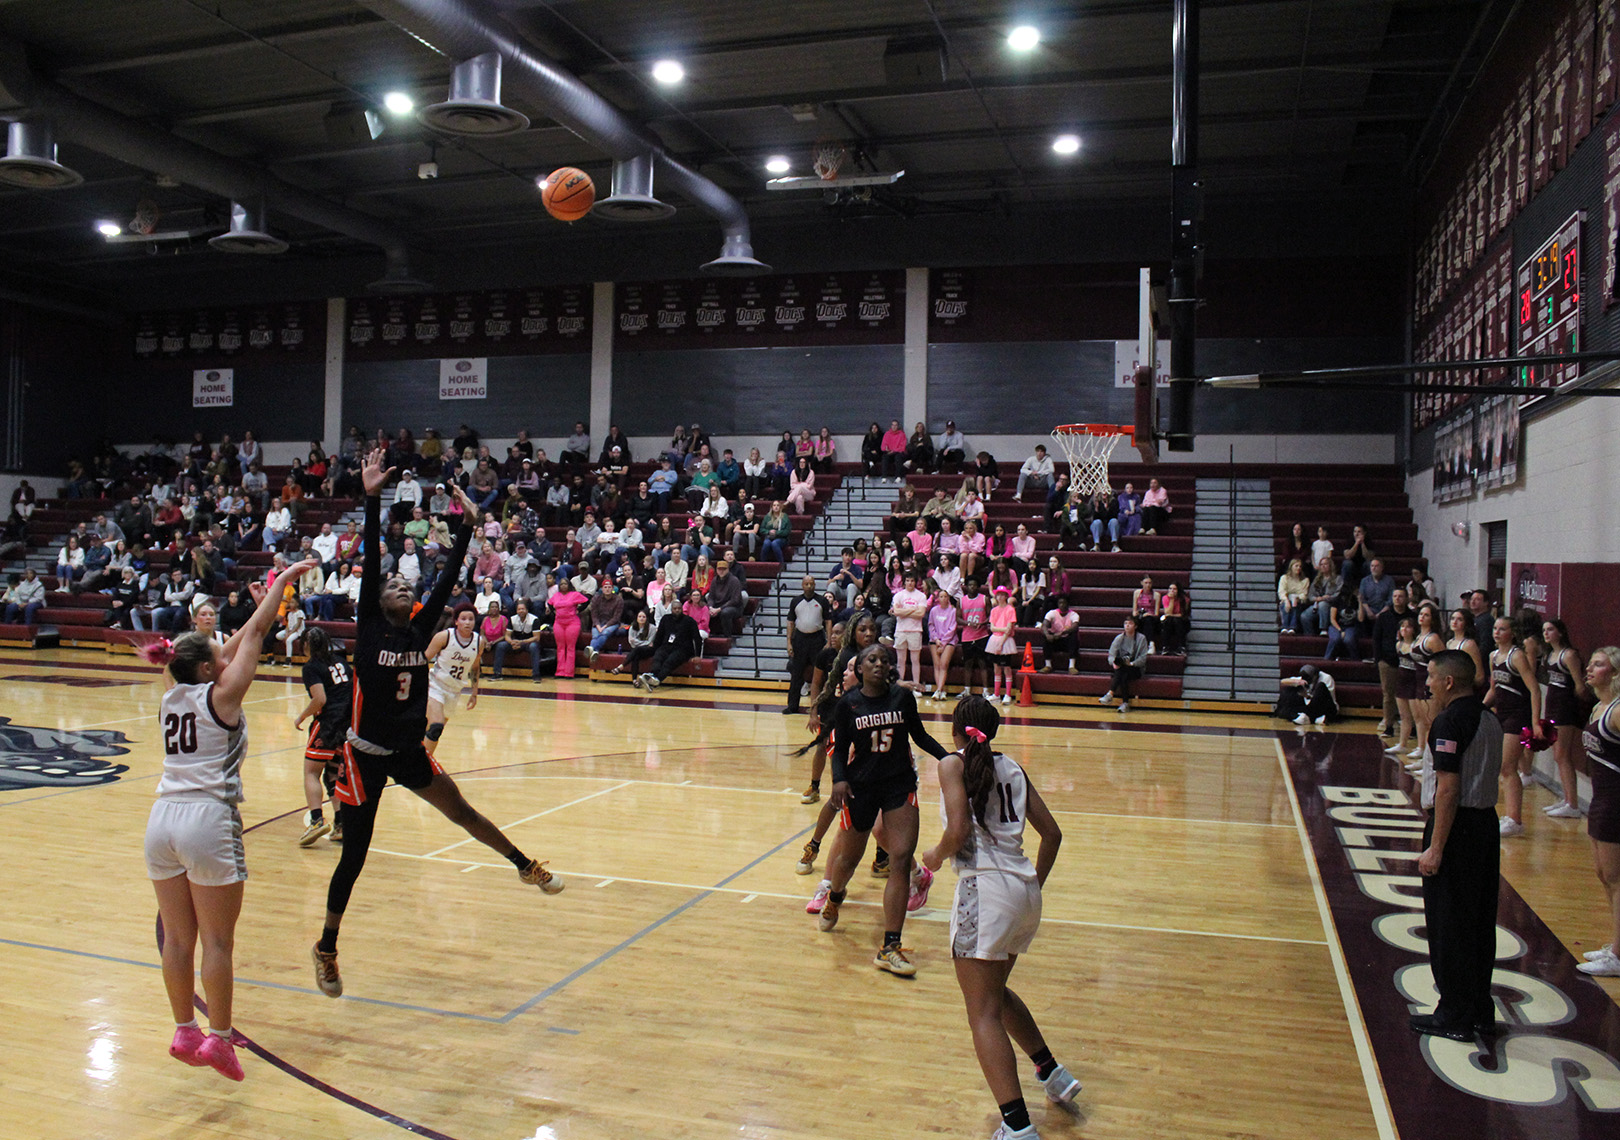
pixel 435 731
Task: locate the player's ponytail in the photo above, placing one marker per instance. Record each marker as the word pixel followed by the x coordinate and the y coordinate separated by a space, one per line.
pixel 183 656
pixel 977 720
pixel 320 645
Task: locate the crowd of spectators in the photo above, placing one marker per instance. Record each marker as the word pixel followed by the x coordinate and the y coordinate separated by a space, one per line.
pixel 1347 594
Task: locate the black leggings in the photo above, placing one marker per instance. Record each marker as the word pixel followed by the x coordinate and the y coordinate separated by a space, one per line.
pixel 358 824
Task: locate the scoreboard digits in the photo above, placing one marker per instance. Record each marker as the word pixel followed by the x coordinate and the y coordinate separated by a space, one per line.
pixel 1549 303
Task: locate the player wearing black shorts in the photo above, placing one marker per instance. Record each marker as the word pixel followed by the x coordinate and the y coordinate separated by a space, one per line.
pixel 390 721
pixel 330 685
pixel 874 774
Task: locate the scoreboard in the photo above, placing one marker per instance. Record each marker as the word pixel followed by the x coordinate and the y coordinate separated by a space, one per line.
pixel 1549 303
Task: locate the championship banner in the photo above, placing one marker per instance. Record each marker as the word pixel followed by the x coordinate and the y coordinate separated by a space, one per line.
pixel 1498 449
pixel 213 387
pixel 466 379
pixel 1454 458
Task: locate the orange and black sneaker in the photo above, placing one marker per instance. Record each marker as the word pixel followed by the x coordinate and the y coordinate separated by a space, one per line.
pixel 894 960
pixel 327 977
pixel 536 875
pixel 829 915
pixel 807 859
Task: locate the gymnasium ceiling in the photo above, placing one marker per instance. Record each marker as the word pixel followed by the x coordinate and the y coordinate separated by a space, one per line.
pixel 1301 101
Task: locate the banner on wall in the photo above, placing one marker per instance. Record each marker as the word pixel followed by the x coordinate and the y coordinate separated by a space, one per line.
pixel 213 387
pixel 464 379
pixel 1454 458
pixel 1536 586
pixel 1126 353
pixel 1498 448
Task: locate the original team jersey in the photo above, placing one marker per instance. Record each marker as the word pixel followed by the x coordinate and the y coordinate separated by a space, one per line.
pixel 872 737
pixel 390 661
pixel 202 755
pixel 998 843
pixel 333 676
pixel 453 666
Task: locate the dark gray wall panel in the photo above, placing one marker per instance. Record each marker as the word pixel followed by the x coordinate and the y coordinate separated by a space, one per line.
pixel 1022 387
pixel 545 394
pixel 278 400
pixel 755 390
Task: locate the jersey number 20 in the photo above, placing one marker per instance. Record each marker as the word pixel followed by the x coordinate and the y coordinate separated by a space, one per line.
pixel 180 733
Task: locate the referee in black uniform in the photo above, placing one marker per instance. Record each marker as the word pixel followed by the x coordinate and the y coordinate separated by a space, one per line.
pixel 1461 860
pixel 808 617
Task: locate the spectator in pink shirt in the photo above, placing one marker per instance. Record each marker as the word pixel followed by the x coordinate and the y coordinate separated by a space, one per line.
pixel 1021 550
pixel 942 637
pixel 909 609
pixel 972 550
pixel 1155 507
pixel 922 543
pixel 893 450
pixel 823 451
pixel 948 542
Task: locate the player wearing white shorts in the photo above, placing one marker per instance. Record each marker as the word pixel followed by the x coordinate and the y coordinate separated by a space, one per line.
pixel 456 652
pixel 985 800
pixel 194 853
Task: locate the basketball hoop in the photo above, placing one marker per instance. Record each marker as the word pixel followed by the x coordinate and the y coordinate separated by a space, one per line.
pixel 829 158
pixel 1087 448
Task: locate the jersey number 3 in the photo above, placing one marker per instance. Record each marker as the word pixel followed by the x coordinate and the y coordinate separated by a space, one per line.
pixel 404 693
pixel 180 733
pixel 1004 793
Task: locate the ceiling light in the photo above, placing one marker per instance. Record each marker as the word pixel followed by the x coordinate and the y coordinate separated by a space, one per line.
pixel 776 164
pixel 668 72
pixel 399 103
pixel 1066 144
pixel 109 229
pixel 1024 38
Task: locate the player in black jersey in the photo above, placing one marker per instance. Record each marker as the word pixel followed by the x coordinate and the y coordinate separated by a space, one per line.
pixel 874 774
pixel 390 721
pixel 330 686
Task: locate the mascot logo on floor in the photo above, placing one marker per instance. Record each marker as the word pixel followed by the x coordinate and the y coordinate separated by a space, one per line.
pixel 57 758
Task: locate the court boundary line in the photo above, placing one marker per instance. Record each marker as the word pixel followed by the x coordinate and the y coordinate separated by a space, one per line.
pixel 1372 1077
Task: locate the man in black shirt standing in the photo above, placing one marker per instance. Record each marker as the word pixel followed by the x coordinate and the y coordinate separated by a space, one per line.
pixel 1386 631
pixel 808 616
pixel 1461 860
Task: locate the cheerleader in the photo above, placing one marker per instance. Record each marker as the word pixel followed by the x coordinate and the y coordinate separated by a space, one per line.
pixel 1515 697
pixel 1408 685
pixel 985 799
pixel 1602 744
pixel 1424 646
pixel 194 853
pixel 1462 639
pixel 457 653
pixel 1567 700
pixel 875 776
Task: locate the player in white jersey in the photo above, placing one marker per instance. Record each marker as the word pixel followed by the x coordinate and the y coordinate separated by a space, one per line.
pixel 985 800
pixel 456 652
pixel 194 853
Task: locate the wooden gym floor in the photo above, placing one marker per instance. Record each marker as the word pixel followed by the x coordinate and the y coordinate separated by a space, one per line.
pixel 1186 970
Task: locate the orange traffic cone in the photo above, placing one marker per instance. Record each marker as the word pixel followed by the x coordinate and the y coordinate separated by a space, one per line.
pixel 1026 696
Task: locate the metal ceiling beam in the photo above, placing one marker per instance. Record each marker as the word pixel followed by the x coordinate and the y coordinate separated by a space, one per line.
pixel 259 109
pixel 283 36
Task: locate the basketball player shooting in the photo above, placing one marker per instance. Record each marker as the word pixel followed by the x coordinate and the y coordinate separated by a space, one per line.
pixel 390 721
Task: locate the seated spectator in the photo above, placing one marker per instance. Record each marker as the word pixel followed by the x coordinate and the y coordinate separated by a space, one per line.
pixel 1324 588
pixel 639 636
pixel 727 596
pixel 948 578
pixel 1292 547
pixel 695 606
pixel 1127 656
pixel 730 473
pixel 971 547
pixel 986 475
pixel 948 542
pixel 173 615
pixel 802 490
pixel 743 533
pixel 1032 595
pixel 485 485
pixel 124 610
pixel 1173 620
pixel 26 597
pixel 606 615
pixel 234 614
pixel 776 531
pixel 97 559
pixel 1322 547
pixel 1293 590
pixel 1130 511
pixel 1145 608
pixel 522 633
pixel 1342 623
pixel 23 499
pixel 951 452
pixel 1060 628
pixel 937 509
pixel 1020 551
pixel 1155 508
pixel 1069 515
pixel 277 527
pixel 823 452
pixel 1104 515
pixel 1420 587
pixel 715 508
pixel 576 451
pixel 1037 472
pixel 1308 697
pixel 921 542
pixel 70 561
pixel 677 569
pixel 872 450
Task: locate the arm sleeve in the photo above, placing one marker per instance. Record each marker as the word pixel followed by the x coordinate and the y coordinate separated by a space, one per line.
pixel 428 616
pixel 919 734
pixel 843 731
pixel 371 566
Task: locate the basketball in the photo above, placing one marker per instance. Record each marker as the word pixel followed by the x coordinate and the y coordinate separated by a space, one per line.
pixel 568 194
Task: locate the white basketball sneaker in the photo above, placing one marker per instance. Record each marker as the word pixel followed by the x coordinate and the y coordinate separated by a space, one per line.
pixel 1061 1085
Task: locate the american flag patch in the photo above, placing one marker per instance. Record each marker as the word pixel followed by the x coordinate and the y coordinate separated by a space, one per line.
pixel 1445 746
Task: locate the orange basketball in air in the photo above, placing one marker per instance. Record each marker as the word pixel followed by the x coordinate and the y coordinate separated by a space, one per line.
pixel 568 194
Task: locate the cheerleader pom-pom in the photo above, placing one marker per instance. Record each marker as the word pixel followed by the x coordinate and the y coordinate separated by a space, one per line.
pixel 158 653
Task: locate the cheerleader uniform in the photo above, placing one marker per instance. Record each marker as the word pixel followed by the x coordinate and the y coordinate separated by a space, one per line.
pixel 1602 746
pixel 1563 705
pixel 1421 656
pixel 1512 705
pixel 998 899
pixel 195 828
pixel 1408 683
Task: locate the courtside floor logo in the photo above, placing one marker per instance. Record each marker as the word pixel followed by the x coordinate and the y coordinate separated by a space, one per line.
pixel 1552 1070
pixel 33 758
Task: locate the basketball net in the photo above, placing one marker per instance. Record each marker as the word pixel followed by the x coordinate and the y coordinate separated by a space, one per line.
pixel 829 158
pixel 1087 448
